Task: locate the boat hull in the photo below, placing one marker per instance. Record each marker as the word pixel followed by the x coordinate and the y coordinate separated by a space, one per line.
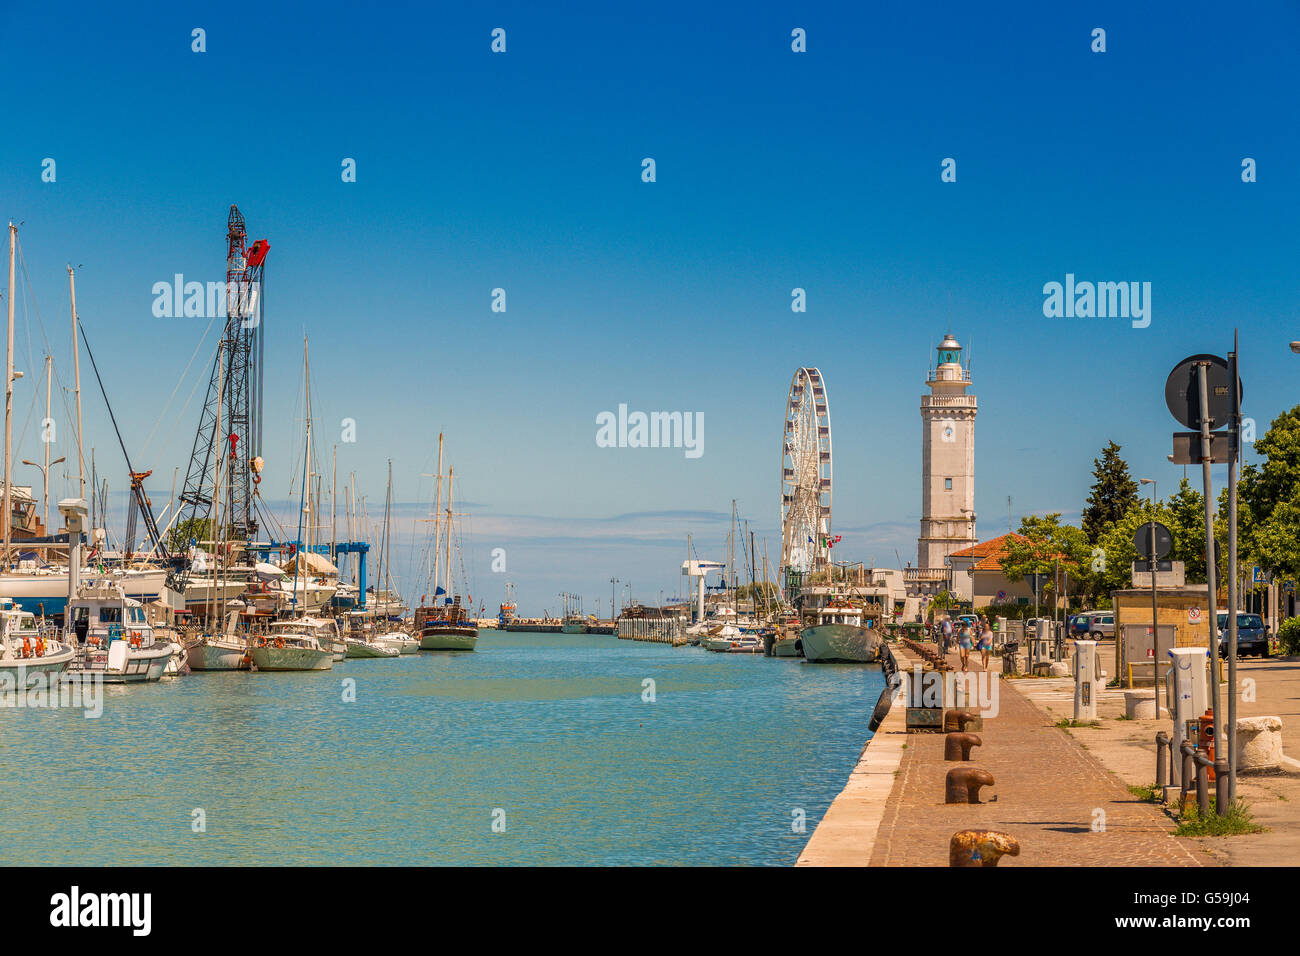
pixel 846 643
pixel 272 658
pixel 361 649
pixel 787 647
pixel 448 638
pixel 210 656
pixel 24 672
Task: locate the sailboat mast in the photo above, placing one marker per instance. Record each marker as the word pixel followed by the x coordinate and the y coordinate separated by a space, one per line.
pixel 76 374
pixel 451 474
pixel 49 374
pixel 437 517
pixel 9 398
pixel 214 512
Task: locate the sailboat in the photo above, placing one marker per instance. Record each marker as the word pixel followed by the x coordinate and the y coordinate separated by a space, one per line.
pixel 444 626
pixel 362 637
pixel 305 643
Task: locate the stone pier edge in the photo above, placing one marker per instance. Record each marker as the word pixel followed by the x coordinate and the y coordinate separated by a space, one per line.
pixel 846 835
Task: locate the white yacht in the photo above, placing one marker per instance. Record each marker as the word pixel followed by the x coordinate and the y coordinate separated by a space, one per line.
pixel 114 640
pixel 730 639
pixel 405 643
pixel 305 644
pixel 26 650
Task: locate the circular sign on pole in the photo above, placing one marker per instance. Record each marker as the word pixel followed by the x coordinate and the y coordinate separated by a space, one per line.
pixel 1183 395
pixel 1142 541
pixel 1193 615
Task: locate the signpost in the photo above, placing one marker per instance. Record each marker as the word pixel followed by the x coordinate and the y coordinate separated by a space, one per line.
pixel 1203 392
pixel 1153 542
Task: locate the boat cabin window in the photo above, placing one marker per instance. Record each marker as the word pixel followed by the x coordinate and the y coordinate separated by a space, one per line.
pixel 136 615
pixel 110 615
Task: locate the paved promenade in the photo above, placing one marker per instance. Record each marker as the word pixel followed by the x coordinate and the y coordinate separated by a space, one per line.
pixel 1051 794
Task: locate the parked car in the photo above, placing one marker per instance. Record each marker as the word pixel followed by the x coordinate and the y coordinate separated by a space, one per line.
pixel 1101 625
pixel 1252 635
pixel 1079 623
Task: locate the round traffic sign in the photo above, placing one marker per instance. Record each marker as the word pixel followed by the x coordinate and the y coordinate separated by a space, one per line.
pixel 1183 396
pixel 1142 540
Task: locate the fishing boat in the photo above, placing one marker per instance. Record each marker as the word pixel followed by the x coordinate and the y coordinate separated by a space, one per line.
pixel 114 640
pixel 305 644
pixel 26 650
pixel 841 631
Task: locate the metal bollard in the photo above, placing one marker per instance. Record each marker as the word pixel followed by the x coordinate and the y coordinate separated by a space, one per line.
pixel 962 785
pixel 1162 745
pixel 981 847
pixel 1202 786
pixel 957 720
pixel 1221 801
pixel 957 746
pixel 1187 774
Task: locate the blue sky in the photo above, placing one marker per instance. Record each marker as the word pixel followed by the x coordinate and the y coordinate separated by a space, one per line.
pixel 775 170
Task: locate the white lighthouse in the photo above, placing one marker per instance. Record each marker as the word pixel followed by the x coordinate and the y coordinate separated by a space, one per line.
pixel 947 469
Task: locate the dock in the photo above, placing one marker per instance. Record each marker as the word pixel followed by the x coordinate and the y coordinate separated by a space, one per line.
pixel 1057 799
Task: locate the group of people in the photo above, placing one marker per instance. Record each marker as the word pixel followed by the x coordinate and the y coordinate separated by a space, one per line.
pixel 977 635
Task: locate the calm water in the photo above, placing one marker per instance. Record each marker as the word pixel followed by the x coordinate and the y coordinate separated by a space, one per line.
pixel 550 729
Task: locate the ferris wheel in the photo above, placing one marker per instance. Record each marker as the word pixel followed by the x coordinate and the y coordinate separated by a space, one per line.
pixel 806 474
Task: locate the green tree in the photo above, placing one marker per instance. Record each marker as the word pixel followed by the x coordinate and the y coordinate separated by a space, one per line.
pixel 1113 493
pixel 1046 546
pixel 1268 494
pixel 191 529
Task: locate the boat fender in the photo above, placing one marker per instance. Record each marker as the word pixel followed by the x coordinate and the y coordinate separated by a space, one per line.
pixel 40 647
pixel 27 647
pixel 882 708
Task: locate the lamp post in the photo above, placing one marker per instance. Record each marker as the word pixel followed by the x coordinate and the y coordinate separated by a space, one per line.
pixel 45 478
pixel 1155 621
pixel 613 614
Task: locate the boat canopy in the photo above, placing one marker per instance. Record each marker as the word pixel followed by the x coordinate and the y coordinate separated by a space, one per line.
pixel 310 563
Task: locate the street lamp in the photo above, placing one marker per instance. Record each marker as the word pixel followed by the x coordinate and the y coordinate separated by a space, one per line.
pixel 45 478
pixel 613 613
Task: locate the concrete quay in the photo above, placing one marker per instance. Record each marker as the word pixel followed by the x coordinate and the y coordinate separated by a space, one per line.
pixel 1062 804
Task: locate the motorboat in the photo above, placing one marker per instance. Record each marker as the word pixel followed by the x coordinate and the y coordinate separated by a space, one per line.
pixel 27 650
pixel 114 640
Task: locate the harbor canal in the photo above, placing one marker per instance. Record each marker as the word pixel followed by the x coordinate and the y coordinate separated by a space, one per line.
pixel 547 735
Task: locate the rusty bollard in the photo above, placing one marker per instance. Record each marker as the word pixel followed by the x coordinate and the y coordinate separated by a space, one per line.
pixel 956 720
pixel 962 785
pixel 957 746
pixel 981 847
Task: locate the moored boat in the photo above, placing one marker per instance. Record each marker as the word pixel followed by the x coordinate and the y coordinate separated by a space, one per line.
pixel 27 651
pixel 114 640
pixel 306 644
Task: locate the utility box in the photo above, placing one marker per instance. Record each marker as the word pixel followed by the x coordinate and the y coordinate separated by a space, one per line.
pixel 1087 680
pixel 1187 695
pixel 1139 652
